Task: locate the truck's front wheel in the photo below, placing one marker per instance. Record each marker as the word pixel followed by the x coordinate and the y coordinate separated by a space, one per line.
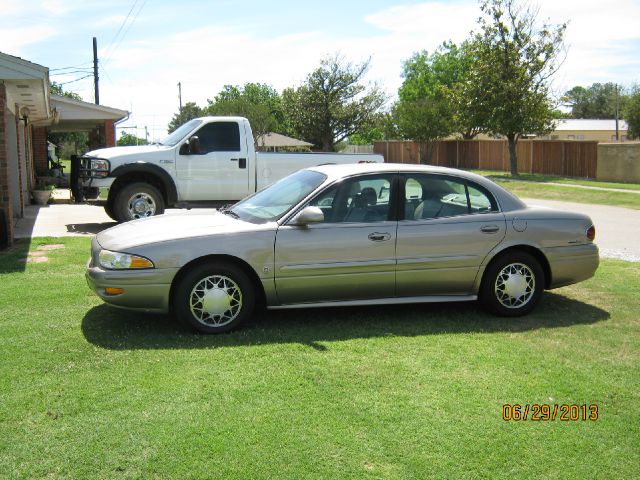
pixel 109 210
pixel 138 200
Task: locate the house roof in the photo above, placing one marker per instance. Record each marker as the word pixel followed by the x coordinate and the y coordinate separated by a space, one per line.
pixel 586 124
pixel 278 140
pixel 28 85
pixel 79 115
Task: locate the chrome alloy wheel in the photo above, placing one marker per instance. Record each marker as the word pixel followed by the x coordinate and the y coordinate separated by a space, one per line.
pixel 215 300
pixel 515 285
pixel 141 205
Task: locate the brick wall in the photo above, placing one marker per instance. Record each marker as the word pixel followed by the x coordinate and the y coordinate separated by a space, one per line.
pixel 40 161
pixel 110 133
pixel 5 195
pixel 21 134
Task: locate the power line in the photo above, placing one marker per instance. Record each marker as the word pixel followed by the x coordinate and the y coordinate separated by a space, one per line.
pixel 76 80
pixel 69 68
pixel 126 30
pixel 106 52
pixel 72 72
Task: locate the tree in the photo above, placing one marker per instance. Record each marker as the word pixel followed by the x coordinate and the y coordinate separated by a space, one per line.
pixel 600 100
pixel 424 120
pixel 445 75
pixel 383 127
pixel 189 111
pixel 259 103
pixel 425 111
pixel 56 89
pixel 631 114
pixel 333 103
pixel 513 62
pixel 129 139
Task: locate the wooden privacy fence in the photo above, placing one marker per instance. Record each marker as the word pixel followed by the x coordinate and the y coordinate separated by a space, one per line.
pixel 548 157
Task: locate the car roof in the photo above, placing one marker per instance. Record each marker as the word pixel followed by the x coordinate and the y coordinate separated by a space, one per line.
pixel 348 169
pixel 507 200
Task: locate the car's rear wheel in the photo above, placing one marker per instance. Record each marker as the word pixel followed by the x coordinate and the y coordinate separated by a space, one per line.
pixel 214 297
pixel 512 284
pixel 138 200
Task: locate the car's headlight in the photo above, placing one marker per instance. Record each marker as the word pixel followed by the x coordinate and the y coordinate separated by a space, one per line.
pixel 122 261
pixel 99 167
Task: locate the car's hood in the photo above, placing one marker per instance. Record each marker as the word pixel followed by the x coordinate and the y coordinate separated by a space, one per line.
pixel 127 152
pixel 172 226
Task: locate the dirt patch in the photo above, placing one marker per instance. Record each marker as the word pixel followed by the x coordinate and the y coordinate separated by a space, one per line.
pixel 38 256
pixel 54 246
pixel 34 259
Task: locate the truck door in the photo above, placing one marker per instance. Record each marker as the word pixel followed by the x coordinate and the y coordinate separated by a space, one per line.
pixel 220 171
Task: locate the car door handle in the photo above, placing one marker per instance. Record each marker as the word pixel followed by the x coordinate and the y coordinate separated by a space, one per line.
pixel 379 237
pixel 489 228
pixel 242 162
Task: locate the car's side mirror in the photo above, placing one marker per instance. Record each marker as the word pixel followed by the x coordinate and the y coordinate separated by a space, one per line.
pixel 191 146
pixel 194 145
pixel 307 215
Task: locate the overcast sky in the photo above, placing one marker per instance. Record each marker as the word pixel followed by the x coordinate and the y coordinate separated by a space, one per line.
pixel 146 47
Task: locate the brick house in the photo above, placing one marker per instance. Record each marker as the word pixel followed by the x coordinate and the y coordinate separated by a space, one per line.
pixel 27 112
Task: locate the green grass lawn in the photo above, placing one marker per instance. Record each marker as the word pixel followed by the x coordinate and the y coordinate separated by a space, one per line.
pixel 540 186
pixel 87 391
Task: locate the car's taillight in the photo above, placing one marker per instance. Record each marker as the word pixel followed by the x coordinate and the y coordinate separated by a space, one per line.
pixel 591 233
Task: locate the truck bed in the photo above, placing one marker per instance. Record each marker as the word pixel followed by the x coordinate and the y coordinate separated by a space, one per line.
pixel 272 166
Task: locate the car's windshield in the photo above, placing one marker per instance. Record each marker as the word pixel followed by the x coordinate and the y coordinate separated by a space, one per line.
pixel 273 202
pixel 174 137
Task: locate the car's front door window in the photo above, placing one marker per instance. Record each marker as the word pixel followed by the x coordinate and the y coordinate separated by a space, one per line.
pixel 356 200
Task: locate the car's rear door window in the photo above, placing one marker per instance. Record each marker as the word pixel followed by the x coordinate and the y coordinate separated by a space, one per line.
pixel 435 196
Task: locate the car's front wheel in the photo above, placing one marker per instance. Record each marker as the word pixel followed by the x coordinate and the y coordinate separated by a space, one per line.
pixel 214 297
pixel 512 284
pixel 138 200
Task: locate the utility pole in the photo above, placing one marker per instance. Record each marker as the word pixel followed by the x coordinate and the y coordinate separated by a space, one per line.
pixel 180 95
pixel 617 114
pixel 146 134
pixel 95 71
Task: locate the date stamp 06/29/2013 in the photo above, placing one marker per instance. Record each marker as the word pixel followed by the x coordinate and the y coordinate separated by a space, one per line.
pixel 545 412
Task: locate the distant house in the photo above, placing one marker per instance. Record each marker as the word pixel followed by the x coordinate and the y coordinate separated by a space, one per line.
pixel 273 142
pixel 27 112
pixel 587 129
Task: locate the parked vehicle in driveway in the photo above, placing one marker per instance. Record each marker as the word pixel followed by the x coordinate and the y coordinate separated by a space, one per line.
pixel 207 161
pixel 340 235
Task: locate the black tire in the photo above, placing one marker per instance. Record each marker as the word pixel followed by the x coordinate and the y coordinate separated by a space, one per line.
pixel 138 200
pixel 109 210
pixel 512 284
pixel 229 292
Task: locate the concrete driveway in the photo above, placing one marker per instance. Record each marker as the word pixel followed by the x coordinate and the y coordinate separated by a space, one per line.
pixel 617 229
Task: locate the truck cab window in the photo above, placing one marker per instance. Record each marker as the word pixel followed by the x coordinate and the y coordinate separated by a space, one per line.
pixel 219 137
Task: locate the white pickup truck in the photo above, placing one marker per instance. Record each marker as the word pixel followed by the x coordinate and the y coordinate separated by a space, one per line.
pixel 208 161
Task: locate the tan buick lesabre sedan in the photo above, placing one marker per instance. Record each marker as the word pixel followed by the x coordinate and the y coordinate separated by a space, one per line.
pixel 345 235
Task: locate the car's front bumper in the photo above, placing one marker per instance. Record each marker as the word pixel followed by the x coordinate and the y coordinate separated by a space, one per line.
pixel 147 290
